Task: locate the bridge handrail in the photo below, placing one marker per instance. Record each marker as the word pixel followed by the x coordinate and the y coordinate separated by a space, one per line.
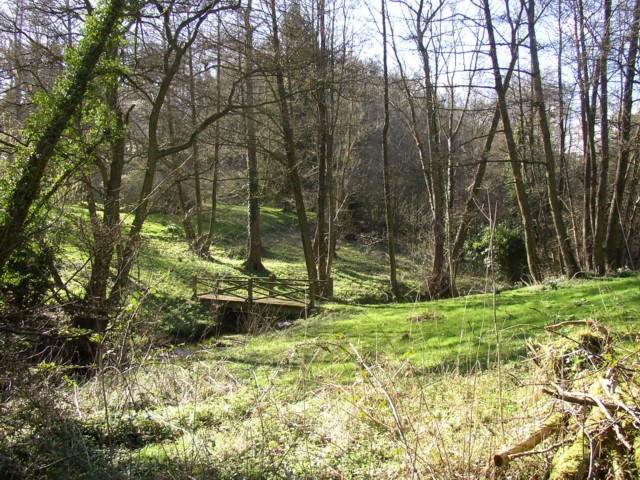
pixel 251 289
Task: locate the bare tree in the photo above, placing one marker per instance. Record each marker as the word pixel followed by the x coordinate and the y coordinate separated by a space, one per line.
pixel 514 157
pixel 291 157
pixel 569 262
pixel 254 243
pixel 388 196
pixel 180 29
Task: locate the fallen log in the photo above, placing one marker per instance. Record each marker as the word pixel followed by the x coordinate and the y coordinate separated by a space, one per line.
pixel 550 427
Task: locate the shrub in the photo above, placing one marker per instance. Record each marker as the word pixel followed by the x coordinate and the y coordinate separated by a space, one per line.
pixel 27 276
pixel 509 251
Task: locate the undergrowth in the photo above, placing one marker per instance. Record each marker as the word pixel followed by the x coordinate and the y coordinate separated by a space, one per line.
pixel 413 390
pixel 396 391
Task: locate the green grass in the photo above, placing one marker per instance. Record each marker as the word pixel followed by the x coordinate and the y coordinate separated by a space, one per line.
pixel 456 333
pixel 353 391
pixel 301 403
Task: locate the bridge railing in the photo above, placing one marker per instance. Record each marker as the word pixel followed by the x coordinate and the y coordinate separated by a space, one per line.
pixel 252 289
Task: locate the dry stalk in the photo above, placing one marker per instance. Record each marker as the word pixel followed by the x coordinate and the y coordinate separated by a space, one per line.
pixel 394 410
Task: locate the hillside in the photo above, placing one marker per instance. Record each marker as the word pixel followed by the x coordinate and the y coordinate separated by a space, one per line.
pixel 414 390
pixel 167 267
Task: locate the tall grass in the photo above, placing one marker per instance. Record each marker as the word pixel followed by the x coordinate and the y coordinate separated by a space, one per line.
pixel 397 391
pixel 351 391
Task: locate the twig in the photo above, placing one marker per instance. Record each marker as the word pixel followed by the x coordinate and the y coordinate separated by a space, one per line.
pixel 52 464
pixel 392 406
pixel 588 322
pixel 581 398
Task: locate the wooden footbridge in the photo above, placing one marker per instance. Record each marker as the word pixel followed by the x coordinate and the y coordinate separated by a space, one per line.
pixel 240 293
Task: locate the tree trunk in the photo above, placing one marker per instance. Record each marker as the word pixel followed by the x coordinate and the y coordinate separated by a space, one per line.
pixel 289 146
pixel 438 284
pixel 107 235
pixel 215 162
pixel 569 262
pixel 321 240
pixel 253 262
pixel 388 197
pixel 564 186
pixel 587 121
pixel 516 167
pixel 183 201
pixel 199 239
pixel 54 120
pixel 602 202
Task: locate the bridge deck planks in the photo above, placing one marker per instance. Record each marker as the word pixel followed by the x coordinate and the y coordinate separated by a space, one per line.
pixel 238 302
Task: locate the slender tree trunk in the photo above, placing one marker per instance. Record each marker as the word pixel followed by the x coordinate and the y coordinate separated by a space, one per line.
pixel 438 284
pixel 184 203
pixel 197 245
pixel 587 120
pixel 321 243
pixel 289 146
pixel 215 162
pixel 253 262
pixel 602 202
pixel 331 234
pixel 324 140
pixel 564 185
pixel 516 167
pixel 614 250
pixel 388 196
pixel 566 251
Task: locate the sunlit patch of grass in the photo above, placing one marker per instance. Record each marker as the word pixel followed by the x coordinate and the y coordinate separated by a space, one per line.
pixel 461 331
pixel 352 391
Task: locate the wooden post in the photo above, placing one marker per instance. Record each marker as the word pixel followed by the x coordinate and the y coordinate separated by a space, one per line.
pixel 312 294
pixel 195 287
pixel 250 290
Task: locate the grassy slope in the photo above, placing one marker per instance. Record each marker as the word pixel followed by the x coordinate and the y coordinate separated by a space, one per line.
pixel 299 403
pixel 360 274
pixel 459 332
